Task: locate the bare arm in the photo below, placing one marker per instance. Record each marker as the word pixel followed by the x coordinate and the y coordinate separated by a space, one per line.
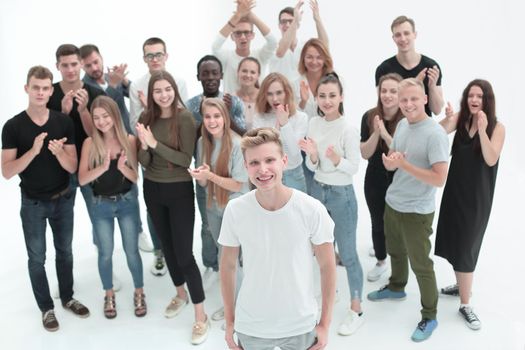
pixel 126 165
pixel 243 9
pixel 67 158
pixel 227 269
pixel 321 31
pixel 435 92
pixel 491 148
pixel 290 35
pixel 12 166
pixel 263 28
pixel 85 174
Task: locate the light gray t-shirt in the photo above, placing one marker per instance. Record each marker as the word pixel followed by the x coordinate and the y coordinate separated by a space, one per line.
pixel 424 144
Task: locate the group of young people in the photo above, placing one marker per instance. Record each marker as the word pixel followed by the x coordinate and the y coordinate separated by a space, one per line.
pixel 274 159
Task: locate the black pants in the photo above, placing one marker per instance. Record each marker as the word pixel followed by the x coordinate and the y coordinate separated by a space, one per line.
pixel 172 209
pixel 376 184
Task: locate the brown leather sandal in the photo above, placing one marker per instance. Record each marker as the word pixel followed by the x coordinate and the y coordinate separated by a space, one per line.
pixel 141 309
pixel 110 307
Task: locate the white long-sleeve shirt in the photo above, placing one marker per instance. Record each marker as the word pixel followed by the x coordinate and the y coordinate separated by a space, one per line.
pixel 345 139
pixel 135 107
pixel 291 133
pixel 230 60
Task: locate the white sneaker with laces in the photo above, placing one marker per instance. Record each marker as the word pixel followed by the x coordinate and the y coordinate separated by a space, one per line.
pixel 144 243
pixel 209 278
pixel 351 323
pixel 158 268
pixel 471 319
pixel 376 272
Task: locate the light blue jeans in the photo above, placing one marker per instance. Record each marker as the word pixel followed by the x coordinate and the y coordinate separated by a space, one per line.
pixel 124 208
pixel 341 204
pixel 209 247
pixel 294 178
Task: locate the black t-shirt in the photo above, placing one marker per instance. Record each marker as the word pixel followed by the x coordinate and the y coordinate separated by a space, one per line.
pixel 55 103
pixel 392 65
pixel 376 160
pixel 44 176
pixel 112 182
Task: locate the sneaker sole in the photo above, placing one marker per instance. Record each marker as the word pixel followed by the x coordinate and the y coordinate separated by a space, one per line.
pixel 54 329
pixel 387 299
pixel 175 313
pixel 468 324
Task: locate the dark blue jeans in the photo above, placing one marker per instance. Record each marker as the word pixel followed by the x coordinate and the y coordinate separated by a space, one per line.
pixel 59 213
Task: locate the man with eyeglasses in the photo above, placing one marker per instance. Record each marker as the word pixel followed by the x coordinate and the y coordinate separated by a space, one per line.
pixel 288 53
pixel 155 56
pixel 240 27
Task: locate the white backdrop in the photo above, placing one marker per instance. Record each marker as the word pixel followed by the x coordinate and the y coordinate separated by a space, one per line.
pixel 469 39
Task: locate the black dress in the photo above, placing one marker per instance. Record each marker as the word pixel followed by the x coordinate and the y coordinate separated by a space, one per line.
pixel 465 206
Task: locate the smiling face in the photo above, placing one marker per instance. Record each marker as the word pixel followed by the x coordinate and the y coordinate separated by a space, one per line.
pixel 210 76
pixel 412 101
pixel 163 94
pixel 248 73
pixel 329 99
pixel 69 67
pixel 102 120
pixel 213 121
pixel 275 95
pixel 475 100
pixel 265 165
pixel 388 92
pixel 313 60
pixel 39 91
pixel 404 36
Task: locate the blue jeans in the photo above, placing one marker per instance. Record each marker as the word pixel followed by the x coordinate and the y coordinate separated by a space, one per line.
pixel 124 208
pixel 59 213
pixel 308 175
pixel 294 178
pixel 209 248
pixel 341 204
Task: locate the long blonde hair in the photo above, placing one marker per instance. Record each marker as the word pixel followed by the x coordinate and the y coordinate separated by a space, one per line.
pixel 221 167
pixel 98 151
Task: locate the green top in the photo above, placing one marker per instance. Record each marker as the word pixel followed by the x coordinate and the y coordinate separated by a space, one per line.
pixel 164 163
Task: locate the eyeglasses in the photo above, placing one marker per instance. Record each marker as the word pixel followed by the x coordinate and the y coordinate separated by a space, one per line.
pixel 246 33
pixel 151 56
pixel 285 21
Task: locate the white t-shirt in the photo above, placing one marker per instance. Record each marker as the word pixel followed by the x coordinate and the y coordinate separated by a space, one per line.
pixel 276 298
pixel 141 84
pixel 345 139
pixel 230 60
pixel 288 64
pixel 291 133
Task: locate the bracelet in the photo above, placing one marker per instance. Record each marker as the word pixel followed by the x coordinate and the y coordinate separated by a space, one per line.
pixel 231 24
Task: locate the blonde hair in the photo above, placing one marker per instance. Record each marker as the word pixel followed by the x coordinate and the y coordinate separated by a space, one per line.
pixel 328 65
pixel 98 151
pixel 221 167
pixel 260 136
pixel 409 82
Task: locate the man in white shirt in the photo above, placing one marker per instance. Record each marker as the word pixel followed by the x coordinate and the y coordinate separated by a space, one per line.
pixel 155 56
pixel 240 27
pixel 288 53
pixel 276 228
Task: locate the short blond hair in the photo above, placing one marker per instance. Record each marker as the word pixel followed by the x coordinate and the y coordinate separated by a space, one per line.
pixel 406 83
pixel 260 136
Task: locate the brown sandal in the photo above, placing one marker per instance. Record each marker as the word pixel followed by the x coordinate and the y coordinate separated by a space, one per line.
pixel 140 304
pixel 110 307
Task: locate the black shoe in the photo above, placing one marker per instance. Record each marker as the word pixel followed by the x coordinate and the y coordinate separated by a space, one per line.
pixel 50 321
pixel 470 317
pixel 451 291
pixel 77 308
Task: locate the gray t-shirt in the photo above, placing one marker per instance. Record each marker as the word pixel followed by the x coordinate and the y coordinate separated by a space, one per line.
pixel 424 144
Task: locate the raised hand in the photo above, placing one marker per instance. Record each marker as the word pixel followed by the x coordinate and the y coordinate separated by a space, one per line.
pixel 315 10
pixel 283 113
pixel 82 98
pixel 331 154
pixel 67 102
pixel 143 99
pixel 433 75
pixel 482 122
pixel 309 146
pixel 304 90
pixel 117 74
pixel 244 7
pixel 107 162
pixel 38 142
pixel 56 146
pixel 298 12
pixel 449 111
pixel 122 159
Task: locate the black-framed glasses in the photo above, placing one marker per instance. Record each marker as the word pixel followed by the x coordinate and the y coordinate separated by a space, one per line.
pixel 285 21
pixel 151 56
pixel 240 33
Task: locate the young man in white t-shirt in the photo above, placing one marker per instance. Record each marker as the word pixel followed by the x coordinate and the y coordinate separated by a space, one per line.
pixel 276 227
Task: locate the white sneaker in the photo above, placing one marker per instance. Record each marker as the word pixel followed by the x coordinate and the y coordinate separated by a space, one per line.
pixel 209 278
pixel 218 315
pixel 376 272
pixel 116 283
pixel 144 243
pixel 372 252
pixel 158 268
pixel 351 323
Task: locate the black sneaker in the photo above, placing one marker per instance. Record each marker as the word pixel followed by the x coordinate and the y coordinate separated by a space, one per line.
pixel 451 291
pixel 50 321
pixel 470 317
pixel 77 308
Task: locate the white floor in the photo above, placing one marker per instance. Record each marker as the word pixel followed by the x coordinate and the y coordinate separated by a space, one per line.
pixel 497 296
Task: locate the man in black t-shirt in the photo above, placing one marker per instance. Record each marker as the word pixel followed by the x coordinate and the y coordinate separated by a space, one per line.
pixel 38 145
pixel 410 64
